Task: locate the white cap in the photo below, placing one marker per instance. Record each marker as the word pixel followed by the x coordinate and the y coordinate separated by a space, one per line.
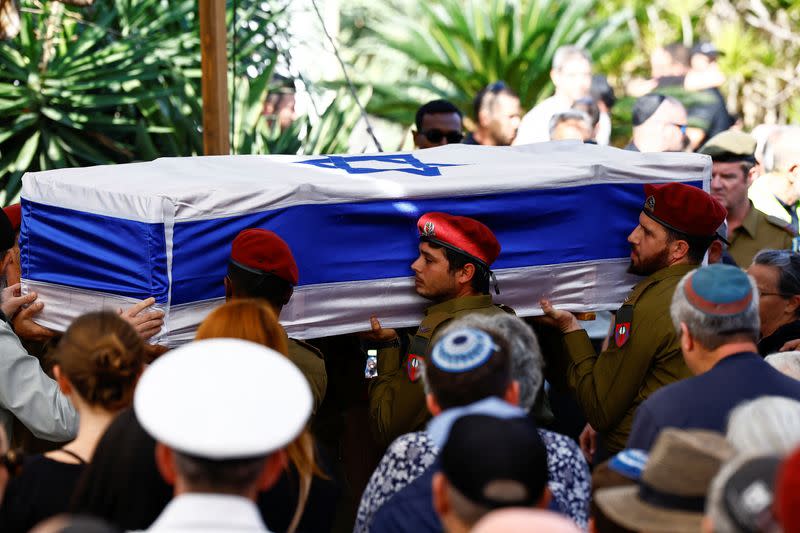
pixel 223 399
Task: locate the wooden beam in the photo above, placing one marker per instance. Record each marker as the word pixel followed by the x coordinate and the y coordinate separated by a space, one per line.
pixel 213 42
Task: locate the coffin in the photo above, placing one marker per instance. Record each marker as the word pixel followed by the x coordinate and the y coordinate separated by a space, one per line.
pixel 107 236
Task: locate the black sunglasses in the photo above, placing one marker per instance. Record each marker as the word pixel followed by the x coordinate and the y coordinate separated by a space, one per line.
pixel 436 136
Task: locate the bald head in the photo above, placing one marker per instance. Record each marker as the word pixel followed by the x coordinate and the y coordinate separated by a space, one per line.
pixel 780 152
pixel 515 519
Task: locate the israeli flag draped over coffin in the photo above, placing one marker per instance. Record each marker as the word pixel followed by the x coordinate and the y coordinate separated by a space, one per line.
pixel 108 236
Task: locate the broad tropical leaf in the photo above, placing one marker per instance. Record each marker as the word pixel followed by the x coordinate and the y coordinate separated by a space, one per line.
pixel 456 47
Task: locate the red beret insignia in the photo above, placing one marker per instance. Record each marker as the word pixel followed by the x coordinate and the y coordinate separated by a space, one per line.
pixel 461 234
pixel 684 208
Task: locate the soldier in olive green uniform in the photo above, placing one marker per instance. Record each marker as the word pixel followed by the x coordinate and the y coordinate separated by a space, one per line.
pixel 262 266
pixel 452 270
pixel 749 230
pixel 676 226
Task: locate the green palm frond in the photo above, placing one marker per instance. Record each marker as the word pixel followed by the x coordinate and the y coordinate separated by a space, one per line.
pixel 456 47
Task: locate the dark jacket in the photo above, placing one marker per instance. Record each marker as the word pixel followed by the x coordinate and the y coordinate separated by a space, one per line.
pixel 779 337
pixel 411 510
pixel 705 401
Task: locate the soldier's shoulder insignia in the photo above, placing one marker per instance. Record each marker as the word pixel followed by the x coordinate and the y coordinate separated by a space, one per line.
pixel 623 325
pixel 414 367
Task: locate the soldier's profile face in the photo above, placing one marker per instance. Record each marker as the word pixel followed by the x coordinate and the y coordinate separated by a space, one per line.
pixel 649 250
pixel 432 277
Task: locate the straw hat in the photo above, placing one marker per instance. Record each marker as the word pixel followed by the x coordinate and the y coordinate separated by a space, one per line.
pixel 671 493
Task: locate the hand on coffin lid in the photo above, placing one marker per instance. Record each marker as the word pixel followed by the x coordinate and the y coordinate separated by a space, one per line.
pixel 146 323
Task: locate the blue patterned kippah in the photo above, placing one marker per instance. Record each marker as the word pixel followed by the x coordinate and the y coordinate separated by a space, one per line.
pixel 462 350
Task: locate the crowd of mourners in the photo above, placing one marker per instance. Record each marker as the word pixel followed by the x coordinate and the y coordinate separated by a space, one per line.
pixel 678 412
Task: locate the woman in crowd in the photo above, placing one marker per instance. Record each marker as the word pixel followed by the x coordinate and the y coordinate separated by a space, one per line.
pixel 122 484
pixel 96 364
pixel 777 276
pixel 304 485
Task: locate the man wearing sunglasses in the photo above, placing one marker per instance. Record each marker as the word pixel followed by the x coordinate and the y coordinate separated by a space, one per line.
pixel 438 123
pixel 659 125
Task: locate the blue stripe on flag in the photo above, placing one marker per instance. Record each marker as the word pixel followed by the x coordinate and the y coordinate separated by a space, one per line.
pixel 331 242
pixel 378 239
pixel 94 252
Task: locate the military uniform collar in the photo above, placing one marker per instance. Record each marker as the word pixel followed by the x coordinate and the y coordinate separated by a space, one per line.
pixel 657 277
pixel 460 304
pixel 673 270
pixel 750 222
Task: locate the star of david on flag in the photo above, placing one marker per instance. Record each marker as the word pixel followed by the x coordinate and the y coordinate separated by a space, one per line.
pixel 389 163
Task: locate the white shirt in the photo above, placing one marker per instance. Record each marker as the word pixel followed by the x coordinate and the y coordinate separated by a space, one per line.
pixel 760 193
pixel 535 125
pixel 603 135
pixel 209 513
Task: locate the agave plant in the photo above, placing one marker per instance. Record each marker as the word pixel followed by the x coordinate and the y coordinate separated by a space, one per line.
pixel 456 47
pixel 68 94
pixel 119 81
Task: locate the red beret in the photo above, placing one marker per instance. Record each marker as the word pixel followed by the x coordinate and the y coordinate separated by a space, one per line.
pixel 263 251
pixel 462 234
pixel 14 214
pixel 684 209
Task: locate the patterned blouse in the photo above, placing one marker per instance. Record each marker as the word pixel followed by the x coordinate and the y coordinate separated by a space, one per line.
pixel 411 454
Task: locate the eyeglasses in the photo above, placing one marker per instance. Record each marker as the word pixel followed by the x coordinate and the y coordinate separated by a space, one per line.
pixel 762 294
pixel 681 127
pixel 436 136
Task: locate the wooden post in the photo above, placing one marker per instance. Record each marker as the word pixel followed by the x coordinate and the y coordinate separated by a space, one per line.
pixel 213 41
